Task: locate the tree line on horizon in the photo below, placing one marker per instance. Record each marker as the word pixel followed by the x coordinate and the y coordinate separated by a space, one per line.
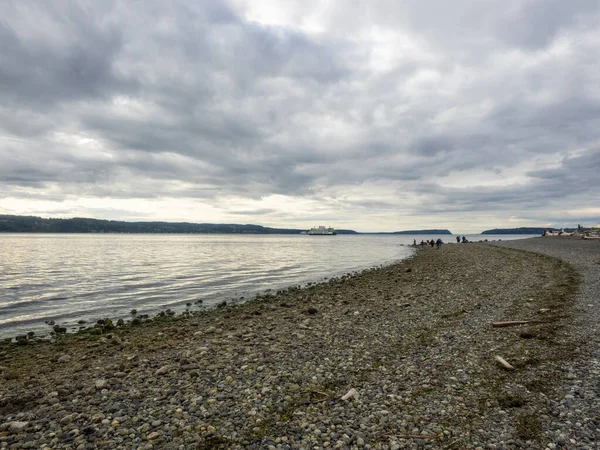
pixel 35 224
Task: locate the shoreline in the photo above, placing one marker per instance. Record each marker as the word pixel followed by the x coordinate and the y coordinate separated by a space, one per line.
pixel 180 311
pixel 413 339
pixel 42 328
pixel 65 299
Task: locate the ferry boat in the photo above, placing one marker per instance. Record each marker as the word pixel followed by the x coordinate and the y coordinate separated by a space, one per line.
pixel 322 231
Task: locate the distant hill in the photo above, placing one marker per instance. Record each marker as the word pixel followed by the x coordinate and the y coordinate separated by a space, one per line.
pixel 32 224
pixel 423 232
pixel 522 230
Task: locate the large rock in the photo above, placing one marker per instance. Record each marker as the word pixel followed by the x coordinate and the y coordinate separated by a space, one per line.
pixel 16 426
pixel 64 359
pixel 66 420
pixel 153 435
pixel 163 370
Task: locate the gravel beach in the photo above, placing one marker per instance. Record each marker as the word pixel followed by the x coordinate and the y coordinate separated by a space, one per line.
pixel 397 357
pixel 578 401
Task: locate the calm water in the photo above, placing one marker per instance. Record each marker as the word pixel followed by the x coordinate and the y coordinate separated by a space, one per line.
pixel 72 277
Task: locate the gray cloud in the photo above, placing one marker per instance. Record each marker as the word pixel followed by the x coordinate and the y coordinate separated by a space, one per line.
pixel 254 212
pixel 43 68
pixel 427 107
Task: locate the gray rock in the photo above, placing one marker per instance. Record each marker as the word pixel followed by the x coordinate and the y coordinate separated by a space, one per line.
pixel 17 426
pixel 163 370
pixel 64 359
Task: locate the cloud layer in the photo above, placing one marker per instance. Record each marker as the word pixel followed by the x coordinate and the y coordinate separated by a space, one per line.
pixel 376 117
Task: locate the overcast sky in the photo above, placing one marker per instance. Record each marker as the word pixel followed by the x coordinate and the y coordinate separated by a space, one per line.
pixel 375 116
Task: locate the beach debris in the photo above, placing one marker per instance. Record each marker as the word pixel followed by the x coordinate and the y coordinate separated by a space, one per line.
pixel 312 311
pixel 543 310
pixel 314 391
pixel 511 323
pixel 64 359
pixel 153 435
pixel 66 420
pixel 163 370
pixel 15 426
pixel 429 437
pixel 502 361
pixel 352 393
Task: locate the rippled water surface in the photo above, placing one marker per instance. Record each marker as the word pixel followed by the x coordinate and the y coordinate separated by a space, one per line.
pixel 68 277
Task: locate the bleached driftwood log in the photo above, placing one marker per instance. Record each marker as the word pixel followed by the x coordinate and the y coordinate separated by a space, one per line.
pixel 502 361
pixel 511 323
pixel 351 393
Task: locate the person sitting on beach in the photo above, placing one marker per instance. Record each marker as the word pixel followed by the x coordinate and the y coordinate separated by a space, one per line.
pixel 438 243
pixel 464 240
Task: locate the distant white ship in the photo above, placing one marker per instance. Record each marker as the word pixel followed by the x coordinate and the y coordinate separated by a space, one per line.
pixel 322 231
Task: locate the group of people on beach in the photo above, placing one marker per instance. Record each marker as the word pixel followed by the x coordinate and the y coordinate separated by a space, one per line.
pixel 439 242
pixel 431 242
pixel 550 231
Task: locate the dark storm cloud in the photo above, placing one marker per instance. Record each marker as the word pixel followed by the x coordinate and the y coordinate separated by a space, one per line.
pixel 41 68
pixel 192 99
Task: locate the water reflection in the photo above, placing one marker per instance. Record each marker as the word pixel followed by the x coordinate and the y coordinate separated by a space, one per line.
pixel 85 277
pixel 68 278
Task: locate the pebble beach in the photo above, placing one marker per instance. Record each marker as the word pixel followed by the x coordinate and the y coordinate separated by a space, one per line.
pixel 399 357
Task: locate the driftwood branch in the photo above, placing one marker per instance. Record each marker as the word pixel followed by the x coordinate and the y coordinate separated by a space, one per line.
pixel 314 391
pixel 428 437
pixel 452 444
pixel 511 323
pixel 502 361
pixel 351 393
